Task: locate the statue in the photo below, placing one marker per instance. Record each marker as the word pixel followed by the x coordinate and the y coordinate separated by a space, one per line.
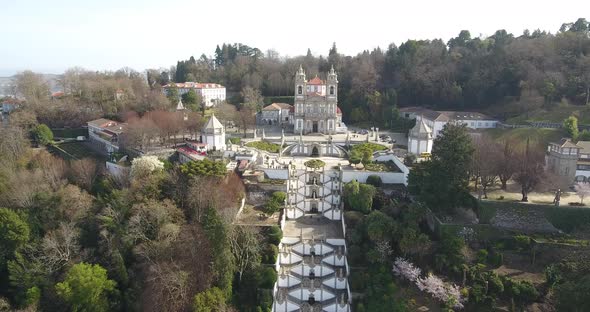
pixel 347 142
pixel 557 197
pixel 263 136
pixel 376 134
pixel 255 130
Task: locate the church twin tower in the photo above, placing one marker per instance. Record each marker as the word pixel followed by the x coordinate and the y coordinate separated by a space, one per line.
pixel 316 103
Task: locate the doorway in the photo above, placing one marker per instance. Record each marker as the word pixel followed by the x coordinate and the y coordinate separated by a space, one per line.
pixel 315 127
pixel 315 152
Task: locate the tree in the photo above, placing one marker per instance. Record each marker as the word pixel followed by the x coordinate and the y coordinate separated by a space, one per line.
pixel 43 135
pixel 210 300
pixel 531 171
pixel 275 203
pixel 144 165
pixel 252 98
pixel 84 172
pixel 86 288
pixel 192 100
pixel 14 233
pixel 359 196
pixel 570 125
pixel 442 182
pixel 246 248
pixel 486 163
pixel 205 167
pixel 582 190
pixel 507 164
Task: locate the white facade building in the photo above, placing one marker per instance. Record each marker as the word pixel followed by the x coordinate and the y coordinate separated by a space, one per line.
pixel 211 93
pixel 277 113
pixel 105 134
pixel 214 134
pixel 436 120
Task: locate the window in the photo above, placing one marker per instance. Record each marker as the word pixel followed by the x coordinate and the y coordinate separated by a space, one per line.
pixel 299 90
pixel 331 90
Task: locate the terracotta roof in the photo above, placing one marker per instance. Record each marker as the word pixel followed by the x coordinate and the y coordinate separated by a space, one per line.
pixel 315 81
pixel 11 101
pixel 102 123
pixel 57 94
pixel 338 110
pixel 277 106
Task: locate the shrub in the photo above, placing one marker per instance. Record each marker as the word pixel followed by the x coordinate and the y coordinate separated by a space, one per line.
pixel 270 254
pixel 374 180
pixel 43 134
pixel 268 277
pixel 523 291
pixel 409 160
pixel 275 235
pixel 522 242
pixel 482 256
pixel 315 163
pixel 235 140
pixel 275 203
pixel 265 146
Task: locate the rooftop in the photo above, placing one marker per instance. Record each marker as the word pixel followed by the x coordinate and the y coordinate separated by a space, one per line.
pixel 102 123
pixel 194 85
pixel 277 106
pixel 316 81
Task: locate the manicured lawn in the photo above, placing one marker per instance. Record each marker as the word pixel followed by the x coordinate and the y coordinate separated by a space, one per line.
pixel 557 114
pixel 70 133
pixel 77 150
pixel 520 135
pixel 265 146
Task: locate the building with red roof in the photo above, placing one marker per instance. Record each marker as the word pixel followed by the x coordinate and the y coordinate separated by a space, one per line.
pixel 211 93
pixel 316 104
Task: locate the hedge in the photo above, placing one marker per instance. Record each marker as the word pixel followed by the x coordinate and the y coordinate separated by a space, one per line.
pixel 265 146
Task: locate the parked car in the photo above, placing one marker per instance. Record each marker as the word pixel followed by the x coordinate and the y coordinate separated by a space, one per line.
pixel 363 131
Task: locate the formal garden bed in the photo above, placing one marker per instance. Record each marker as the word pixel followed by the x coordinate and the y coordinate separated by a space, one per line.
pixel 315 164
pixel 265 146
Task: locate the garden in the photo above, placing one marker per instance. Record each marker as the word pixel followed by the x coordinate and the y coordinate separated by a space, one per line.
pixel 265 146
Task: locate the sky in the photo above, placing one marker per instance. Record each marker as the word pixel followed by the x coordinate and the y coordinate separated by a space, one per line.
pixel 51 36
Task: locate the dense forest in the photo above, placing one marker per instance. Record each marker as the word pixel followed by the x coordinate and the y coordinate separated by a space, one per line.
pixel 503 74
pixel 464 73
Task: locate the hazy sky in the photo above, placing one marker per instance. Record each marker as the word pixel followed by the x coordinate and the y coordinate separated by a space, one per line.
pixel 50 36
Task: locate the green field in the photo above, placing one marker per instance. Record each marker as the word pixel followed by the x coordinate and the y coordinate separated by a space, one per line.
pixel 76 150
pixel 70 133
pixel 557 114
pixel 536 135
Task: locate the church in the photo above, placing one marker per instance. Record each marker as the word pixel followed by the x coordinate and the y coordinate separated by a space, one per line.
pixel 316 104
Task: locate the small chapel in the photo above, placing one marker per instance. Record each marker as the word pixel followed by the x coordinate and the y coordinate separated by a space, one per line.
pixel 213 134
pixel 420 138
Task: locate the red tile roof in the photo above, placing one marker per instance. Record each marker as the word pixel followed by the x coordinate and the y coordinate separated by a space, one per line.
pixel 315 81
pixel 338 110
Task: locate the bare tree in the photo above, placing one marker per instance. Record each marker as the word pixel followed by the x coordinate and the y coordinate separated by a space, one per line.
pixel 486 162
pixel 508 164
pixel 75 203
pixel 531 169
pixel 245 246
pixel 61 246
pixel 583 190
pixel 84 172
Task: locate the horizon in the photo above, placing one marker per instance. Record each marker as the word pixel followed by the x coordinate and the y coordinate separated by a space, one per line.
pixel 109 35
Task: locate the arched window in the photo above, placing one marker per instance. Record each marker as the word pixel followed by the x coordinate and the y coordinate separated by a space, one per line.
pixel 299 90
pixel 331 90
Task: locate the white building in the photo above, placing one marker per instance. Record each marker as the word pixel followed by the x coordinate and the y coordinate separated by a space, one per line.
pixel 211 93
pixel 436 120
pixel 277 113
pixel 420 138
pixel 214 134
pixel 105 134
